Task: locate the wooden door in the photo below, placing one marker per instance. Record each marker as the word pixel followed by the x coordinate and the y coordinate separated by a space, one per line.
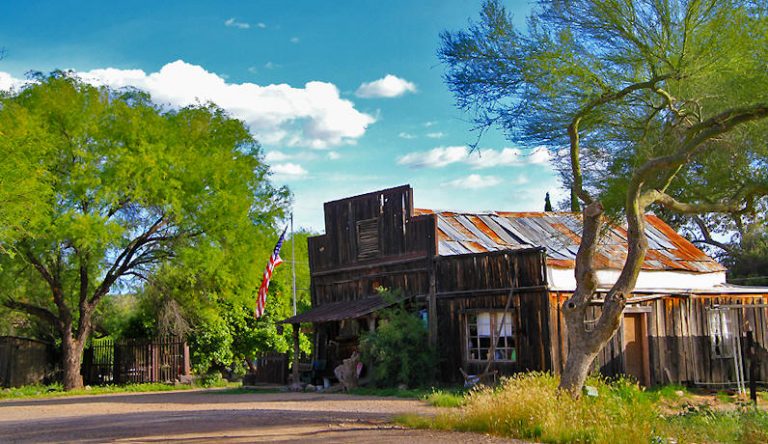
pixel 636 348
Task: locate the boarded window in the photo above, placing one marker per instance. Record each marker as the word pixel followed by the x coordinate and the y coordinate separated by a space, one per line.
pixel 720 333
pixel 367 238
pixel 483 328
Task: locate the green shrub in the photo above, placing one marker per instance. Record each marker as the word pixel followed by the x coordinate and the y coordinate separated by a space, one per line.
pixel 441 398
pixel 398 350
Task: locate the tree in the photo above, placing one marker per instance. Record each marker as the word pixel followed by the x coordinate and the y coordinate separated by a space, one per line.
pixel 216 313
pixel 131 188
pixel 650 105
pixel 547 203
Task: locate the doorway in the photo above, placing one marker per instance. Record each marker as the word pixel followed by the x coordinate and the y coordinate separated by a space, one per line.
pixel 636 348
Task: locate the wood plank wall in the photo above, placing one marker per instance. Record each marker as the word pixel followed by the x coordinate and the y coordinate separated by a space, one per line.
pixel 406 243
pixel 483 281
pixel 678 338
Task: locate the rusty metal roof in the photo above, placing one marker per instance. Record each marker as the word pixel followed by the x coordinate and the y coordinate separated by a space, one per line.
pixel 560 234
pixel 337 311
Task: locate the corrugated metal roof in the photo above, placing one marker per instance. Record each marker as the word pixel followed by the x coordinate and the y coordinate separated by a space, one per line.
pixel 560 234
pixel 337 311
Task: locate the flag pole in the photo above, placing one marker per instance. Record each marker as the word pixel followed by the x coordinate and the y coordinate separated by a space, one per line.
pixel 293 264
pixel 296 377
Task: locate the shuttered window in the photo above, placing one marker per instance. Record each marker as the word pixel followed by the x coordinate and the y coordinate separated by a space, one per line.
pixel 367 238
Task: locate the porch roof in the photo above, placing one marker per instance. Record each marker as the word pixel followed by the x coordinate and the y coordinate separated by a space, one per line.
pixel 337 311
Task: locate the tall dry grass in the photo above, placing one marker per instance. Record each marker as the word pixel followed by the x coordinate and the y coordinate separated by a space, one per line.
pixel 529 406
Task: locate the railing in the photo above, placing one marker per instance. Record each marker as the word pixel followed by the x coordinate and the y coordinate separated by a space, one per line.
pixel 108 361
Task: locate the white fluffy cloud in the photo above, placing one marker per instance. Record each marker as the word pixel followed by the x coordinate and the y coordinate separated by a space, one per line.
pixel 434 158
pixel 484 158
pixel 276 156
pixel 7 82
pixel 474 182
pixel 313 116
pixel 232 23
pixel 288 169
pixel 436 135
pixel 386 87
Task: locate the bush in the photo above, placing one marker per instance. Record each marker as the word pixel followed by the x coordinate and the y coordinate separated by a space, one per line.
pixel 398 351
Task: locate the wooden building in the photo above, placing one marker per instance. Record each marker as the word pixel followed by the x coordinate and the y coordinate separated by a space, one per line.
pixel 502 277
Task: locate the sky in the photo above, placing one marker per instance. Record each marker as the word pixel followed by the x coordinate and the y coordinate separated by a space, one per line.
pixel 345 97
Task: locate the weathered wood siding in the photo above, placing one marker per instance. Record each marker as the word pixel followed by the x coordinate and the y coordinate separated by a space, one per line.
pixel 485 281
pixel 405 244
pixel 678 337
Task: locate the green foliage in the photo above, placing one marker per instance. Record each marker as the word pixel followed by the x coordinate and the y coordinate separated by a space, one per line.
pixel 121 195
pixel 399 350
pixel 529 406
pixel 747 261
pixel 443 398
pixel 683 61
pixel 57 390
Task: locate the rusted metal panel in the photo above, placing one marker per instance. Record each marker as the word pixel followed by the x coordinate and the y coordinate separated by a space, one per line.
pixel 560 234
pixel 337 311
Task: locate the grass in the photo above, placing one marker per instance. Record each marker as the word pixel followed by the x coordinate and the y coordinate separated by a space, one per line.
pixel 391 392
pixel 529 406
pixel 436 397
pixel 57 390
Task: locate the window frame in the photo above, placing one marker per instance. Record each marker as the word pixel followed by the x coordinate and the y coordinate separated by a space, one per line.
pixel 510 345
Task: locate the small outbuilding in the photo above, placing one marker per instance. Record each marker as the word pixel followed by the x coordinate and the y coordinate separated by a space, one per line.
pixel 501 278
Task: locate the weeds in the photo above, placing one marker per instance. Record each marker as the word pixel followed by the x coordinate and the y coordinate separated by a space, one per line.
pixel 530 406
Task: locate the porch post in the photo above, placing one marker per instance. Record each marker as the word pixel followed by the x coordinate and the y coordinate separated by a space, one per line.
pixel 432 306
pixel 295 373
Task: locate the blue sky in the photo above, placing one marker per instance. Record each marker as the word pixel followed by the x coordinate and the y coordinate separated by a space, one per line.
pixel 346 97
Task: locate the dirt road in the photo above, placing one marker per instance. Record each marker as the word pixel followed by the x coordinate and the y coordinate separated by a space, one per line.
pixel 217 416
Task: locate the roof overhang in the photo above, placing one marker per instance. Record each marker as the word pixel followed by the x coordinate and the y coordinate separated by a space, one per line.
pixel 338 311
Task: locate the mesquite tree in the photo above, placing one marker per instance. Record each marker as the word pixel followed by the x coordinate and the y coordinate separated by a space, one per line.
pixel 117 188
pixel 647 104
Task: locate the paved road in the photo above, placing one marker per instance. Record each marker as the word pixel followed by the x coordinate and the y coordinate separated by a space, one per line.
pixel 217 416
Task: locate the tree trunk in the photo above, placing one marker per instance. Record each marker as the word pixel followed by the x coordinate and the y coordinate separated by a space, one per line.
pixel 72 352
pixel 582 351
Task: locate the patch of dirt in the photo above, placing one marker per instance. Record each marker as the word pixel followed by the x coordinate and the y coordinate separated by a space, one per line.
pixel 218 416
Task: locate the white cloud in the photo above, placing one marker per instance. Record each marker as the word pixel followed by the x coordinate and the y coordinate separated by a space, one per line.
pixel 8 82
pixel 253 70
pixel 474 182
pixel 261 25
pixel 333 155
pixel 232 23
pixel 271 65
pixel 430 123
pixel 434 158
pixel 276 156
pixel 295 40
pixel 314 116
pixel 436 135
pixel 484 158
pixel 387 87
pixel 288 169
pixel 407 136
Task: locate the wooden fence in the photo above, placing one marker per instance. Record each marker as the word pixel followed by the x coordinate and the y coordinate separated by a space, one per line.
pixel 270 368
pixel 23 361
pixel 108 361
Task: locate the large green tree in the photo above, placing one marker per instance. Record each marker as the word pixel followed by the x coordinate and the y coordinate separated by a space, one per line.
pixel 649 104
pixel 127 187
pixel 216 313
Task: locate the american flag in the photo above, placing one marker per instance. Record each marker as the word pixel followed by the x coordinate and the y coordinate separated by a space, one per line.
pixel 274 261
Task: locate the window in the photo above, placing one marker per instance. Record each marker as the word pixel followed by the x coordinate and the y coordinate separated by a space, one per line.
pixel 367 238
pixel 720 337
pixel 485 327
